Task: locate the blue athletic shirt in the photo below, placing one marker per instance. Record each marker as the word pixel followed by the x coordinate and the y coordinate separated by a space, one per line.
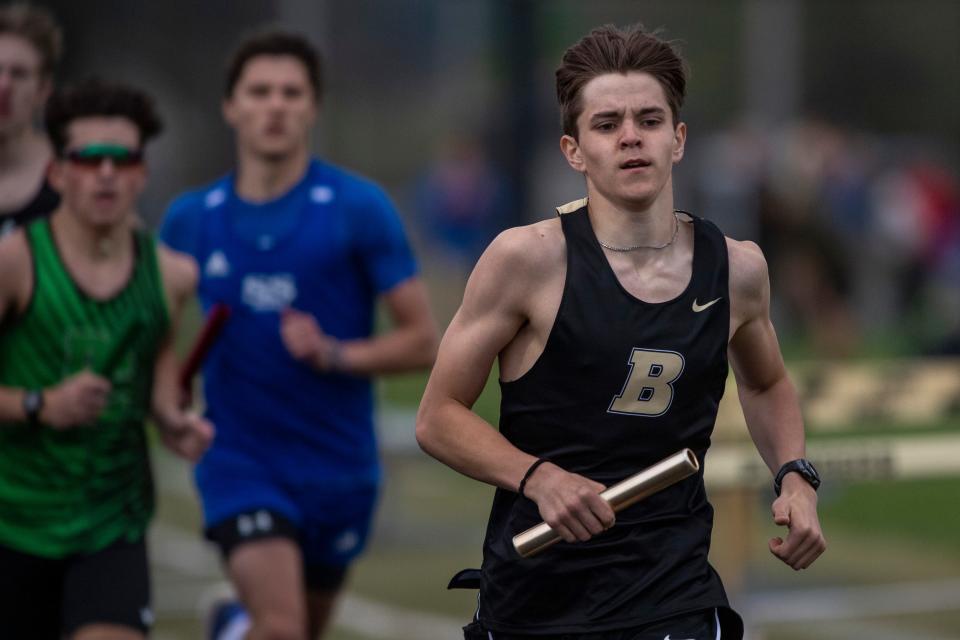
pixel 328 247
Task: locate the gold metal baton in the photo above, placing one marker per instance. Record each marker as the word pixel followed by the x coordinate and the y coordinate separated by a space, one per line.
pixel 620 496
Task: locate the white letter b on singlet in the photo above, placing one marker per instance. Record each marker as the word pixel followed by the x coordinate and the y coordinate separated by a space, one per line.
pixel 648 390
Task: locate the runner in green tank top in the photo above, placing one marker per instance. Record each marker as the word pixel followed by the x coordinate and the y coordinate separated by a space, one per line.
pixel 88 304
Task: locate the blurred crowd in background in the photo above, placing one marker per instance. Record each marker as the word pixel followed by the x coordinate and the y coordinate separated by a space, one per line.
pixel 827 132
pixel 861 230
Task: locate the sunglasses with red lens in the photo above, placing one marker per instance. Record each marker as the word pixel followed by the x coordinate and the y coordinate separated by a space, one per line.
pixel 92 156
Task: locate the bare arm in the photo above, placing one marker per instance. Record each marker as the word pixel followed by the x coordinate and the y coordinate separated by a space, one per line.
pixel 185 433
pixel 770 403
pixel 15 286
pixel 496 305
pixel 411 342
pixel 76 400
pixel 490 316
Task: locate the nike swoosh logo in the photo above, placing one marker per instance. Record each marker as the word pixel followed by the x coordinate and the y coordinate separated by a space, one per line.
pixel 697 308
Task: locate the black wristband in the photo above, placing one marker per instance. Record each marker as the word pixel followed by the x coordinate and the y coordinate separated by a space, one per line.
pixel 802 466
pixel 526 476
pixel 32 405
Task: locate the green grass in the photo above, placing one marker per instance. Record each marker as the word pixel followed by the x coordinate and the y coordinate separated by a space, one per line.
pixel 883 428
pixel 920 512
pixel 917 330
pixel 417 579
pixel 407 389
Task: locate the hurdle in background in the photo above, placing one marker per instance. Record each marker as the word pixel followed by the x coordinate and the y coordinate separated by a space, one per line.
pixel 865 420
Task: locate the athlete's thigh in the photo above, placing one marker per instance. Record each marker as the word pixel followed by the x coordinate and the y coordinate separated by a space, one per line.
pixel 106 594
pixel 106 632
pixel 320 606
pixel 324 582
pixel 30 595
pixel 335 531
pixel 256 524
pixel 268 576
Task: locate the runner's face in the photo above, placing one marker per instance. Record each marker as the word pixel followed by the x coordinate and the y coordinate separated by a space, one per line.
pixel 627 143
pixel 23 88
pixel 101 173
pixel 272 107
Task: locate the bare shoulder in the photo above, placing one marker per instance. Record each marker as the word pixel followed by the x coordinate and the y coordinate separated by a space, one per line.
pixel 178 270
pixel 15 265
pixel 536 246
pixel 14 252
pixel 749 280
pixel 14 259
pixel 516 265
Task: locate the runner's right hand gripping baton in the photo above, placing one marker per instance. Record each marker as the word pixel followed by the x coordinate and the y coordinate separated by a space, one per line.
pixel 208 335
pixel 620 496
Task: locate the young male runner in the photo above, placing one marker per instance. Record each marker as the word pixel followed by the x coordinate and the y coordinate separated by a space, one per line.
pixel 30 43
pixel 613 325
pixel 301 251
pixel 88 304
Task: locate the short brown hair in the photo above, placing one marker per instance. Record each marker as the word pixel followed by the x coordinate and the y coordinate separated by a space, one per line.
pixel 37 26
pixel 92 98
pixel 608 49
pixel 276 43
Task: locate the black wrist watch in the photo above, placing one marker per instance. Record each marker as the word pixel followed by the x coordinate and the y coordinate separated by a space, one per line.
pixel 32 404
pixel 802 466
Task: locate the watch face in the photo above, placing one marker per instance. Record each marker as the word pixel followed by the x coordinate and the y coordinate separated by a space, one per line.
pixel 810 472
pixel 32 402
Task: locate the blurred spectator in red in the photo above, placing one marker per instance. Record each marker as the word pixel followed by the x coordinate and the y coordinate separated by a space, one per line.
pixel 918 217
pixel 859 240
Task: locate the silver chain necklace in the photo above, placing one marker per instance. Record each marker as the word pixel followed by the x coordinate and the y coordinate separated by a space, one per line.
pixel 676 230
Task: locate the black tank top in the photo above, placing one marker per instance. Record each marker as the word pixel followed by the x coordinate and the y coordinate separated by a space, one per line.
pixel 620 385
pixel 42 204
